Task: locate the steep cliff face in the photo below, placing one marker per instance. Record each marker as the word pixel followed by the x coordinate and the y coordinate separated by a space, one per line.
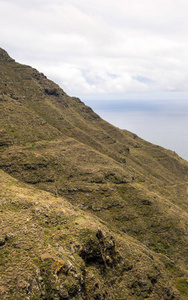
pixel 117 181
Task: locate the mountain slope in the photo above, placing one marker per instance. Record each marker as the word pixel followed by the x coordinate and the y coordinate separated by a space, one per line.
pixel 53 251
pixel 58 144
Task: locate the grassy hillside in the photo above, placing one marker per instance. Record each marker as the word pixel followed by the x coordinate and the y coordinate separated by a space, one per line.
pixel 52 250
pixel 113 181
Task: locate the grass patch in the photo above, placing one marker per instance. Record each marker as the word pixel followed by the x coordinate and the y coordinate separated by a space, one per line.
pixel 182 286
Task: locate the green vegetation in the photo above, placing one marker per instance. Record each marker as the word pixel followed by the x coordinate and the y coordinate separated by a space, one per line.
pixel 87 211
pixel 182 286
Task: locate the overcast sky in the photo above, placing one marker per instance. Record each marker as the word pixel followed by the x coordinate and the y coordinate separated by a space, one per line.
pixel 101 49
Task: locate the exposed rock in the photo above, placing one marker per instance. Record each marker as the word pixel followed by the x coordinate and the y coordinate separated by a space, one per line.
pixel 100 251
pixel 2 241
pixel 64 295
pixel 52 91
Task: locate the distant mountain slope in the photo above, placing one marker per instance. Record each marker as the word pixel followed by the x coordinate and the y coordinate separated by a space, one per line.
pixel 58 144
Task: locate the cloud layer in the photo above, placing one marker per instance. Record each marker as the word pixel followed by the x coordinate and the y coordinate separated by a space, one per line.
pixel 100 47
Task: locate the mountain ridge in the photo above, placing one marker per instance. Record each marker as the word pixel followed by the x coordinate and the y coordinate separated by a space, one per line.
pixel 55 143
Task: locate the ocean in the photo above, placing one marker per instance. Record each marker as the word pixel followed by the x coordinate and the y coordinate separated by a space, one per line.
pixel 163 123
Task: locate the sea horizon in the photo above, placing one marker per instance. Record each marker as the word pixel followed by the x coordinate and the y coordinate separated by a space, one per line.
pixel 161 122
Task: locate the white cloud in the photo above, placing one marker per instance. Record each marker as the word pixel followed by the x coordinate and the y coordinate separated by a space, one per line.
pixel 100 47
